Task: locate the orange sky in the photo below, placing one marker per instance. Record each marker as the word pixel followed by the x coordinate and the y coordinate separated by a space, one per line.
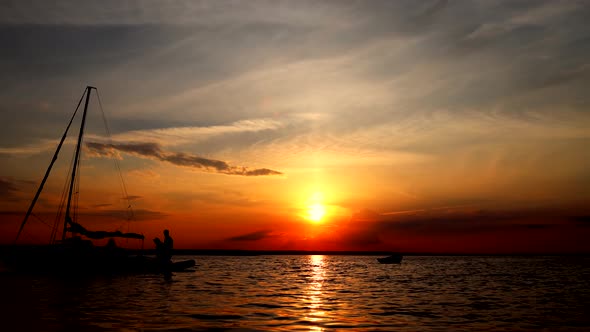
pixel 412 126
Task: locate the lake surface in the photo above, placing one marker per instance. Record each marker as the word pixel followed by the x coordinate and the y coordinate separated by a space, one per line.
pixel 312 293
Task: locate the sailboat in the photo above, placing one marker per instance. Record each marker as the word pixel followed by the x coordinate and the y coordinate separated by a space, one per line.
pixel 75 251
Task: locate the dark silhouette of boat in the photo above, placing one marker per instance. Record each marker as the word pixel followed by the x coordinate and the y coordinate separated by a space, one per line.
pixel 392 259
pixel 75 252
pixel 67 258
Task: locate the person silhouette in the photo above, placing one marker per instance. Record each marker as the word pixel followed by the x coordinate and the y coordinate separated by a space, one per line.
pixel 164 249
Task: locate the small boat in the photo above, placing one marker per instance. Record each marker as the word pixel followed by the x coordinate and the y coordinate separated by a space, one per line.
pixel 393 259
pixel 75 253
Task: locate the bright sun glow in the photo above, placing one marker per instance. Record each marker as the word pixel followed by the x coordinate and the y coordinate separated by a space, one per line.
pixel 316 212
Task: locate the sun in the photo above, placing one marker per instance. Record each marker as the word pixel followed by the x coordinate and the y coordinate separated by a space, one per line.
pixel 316 212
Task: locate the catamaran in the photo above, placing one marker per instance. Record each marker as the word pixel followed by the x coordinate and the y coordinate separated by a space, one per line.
pixel 74 251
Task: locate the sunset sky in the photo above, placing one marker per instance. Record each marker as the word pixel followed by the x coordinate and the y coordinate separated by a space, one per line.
pixel 415 126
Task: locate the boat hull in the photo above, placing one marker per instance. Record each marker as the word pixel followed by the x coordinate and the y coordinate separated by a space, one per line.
pixel 62 260
pixel 393 259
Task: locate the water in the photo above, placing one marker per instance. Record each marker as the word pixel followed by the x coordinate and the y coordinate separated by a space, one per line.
pixel 313 293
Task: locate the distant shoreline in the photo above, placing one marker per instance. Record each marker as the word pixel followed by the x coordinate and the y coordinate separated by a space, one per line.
pixel 243 252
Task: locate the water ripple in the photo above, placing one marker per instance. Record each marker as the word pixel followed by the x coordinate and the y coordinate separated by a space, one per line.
pixel 314 293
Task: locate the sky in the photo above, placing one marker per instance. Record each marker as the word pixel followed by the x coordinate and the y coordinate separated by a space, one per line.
pixel 413 126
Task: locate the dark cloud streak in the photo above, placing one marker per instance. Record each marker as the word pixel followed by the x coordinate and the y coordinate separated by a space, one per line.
pixel 153 150
pixel 254 236
pixel 469 222
pixel 138 214
pixel 102 215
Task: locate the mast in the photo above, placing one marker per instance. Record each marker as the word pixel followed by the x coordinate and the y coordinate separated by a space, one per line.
pixel 76 162
pixel 63 138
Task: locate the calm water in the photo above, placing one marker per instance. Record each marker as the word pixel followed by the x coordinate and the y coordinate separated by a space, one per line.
pixel 313 293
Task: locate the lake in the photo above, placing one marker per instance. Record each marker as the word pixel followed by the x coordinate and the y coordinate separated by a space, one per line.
pixel 312 293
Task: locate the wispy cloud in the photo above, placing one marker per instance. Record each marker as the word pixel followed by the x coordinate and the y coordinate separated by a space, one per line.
pixel 154 151
pixel 11 189
pixel 33 148
pixel 196 134
pixel 8 189
pixel 537 15
pixel 155 12
pixel 138 214
pixel 254 236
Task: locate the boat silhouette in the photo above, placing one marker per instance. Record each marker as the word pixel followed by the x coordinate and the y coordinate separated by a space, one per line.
pixel 75 252
pixel 392 259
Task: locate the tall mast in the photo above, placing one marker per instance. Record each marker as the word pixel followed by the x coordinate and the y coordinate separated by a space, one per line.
pixel 76 162
pixel 61 142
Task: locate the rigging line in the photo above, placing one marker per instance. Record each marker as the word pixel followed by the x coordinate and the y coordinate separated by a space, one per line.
pixel 78 180
pixel 57 219
pixel 59 213
pixel 64 195
pixel 77 193
pixel 129 210
pixel 41 220
pixel 63 138
pixel 110 139
pixel 108 132
pixel 78 145
pixel 61 206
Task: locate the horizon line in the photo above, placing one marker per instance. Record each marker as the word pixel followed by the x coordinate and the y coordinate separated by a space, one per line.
pixel 295 252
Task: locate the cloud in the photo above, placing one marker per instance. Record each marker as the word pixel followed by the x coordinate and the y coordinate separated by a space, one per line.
pixel 194 134
pixel 148 12
pixel 144 174
pixel 8 189
pixel 98 215
pixel 363 238
pixel 29 149
pixel 153 150
pixel 458 221
pixel 509 19
pixel 254 236
pixel 127 198
pixel 582 220
pixel 138 214
pixel 101 205
pixel 436 7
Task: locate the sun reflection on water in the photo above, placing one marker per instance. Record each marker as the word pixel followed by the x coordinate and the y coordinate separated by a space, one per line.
pixel 314 292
